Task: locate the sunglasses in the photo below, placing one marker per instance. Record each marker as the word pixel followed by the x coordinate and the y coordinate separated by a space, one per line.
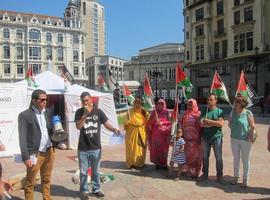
pixel 42 100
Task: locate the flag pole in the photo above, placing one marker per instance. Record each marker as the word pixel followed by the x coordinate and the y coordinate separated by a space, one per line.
pixel 210 92
pixel 126 100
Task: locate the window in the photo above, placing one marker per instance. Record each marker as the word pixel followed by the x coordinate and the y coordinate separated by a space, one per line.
pixel 172 94
pixel 36 68
pixel 249 41
pixel 84 8
pixel 7 69
pixel 19 35
pixel 35 53
pixel 34 35
pixel 75 56
pixel 60 38
pixel 224 48
pixel 6 33
pixel 203 73
pixel 131 75
pixel 199 14
pixel 187 55
pixel 6 52
pixel 82 57
pixel 220 26
pixel 60 54
pixel 49 53
pixel 83 40
pixel 48 37
pixel 203 92
pixel 76 71
pixel 236 43
pixel 216 50
pixel 171 74
pixel 219 7
pixel 75 39
pixel 164 94
pixel 164 74
pixel 19 53
pixel 248 14
pixel 200 30
pixel 242 42
pixel 187 19
pixel 187 35
pixel 200 52
pixel 237 17
pixel 236 2
pixel 187 2
pixel 20 70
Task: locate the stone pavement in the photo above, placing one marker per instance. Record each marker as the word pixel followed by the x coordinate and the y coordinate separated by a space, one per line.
pixel 149 183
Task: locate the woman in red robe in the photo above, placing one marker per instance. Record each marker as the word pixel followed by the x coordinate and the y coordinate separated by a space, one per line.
pixel 159 130
pixel 190 124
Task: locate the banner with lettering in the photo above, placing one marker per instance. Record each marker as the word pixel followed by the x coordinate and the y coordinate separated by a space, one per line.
pixel 13 100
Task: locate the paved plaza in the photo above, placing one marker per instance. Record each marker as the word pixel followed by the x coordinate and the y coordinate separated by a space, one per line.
pixel 149 183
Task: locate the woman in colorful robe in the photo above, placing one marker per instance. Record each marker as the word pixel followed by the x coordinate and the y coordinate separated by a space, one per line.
pixel 190 124
pixel 159 132
pixel 135 138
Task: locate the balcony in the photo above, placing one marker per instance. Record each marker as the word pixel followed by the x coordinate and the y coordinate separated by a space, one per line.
pixel 220 33
pixel 196 2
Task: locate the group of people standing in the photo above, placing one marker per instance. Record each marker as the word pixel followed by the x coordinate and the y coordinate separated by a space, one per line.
pixel 196 134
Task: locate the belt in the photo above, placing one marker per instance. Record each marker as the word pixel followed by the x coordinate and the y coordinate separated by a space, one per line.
pixel 47 149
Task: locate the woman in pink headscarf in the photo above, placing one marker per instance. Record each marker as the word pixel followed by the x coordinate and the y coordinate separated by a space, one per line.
pixel 190 124
pixel 159 130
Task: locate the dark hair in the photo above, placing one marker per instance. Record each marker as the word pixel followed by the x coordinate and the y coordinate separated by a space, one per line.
pixel 242 101
pixel 212 94
pixel 84 94
pixel 36 94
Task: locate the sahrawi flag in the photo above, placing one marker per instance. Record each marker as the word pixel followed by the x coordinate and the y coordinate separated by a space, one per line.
pixel 30 78
pixel 245 89
pixel 148 94
pixel 113 83
pixel 183 81
pixel 102 83
pixel 219 88
pixel 128 95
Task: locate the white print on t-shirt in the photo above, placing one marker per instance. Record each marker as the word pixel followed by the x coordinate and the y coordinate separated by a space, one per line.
pixel 91 125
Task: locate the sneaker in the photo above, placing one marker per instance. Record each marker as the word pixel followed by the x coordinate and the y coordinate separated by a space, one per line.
pixel 202 178
pixel 235 180
pixel 221 180
pixel 98 194
pixel 85 196
pixel 244 183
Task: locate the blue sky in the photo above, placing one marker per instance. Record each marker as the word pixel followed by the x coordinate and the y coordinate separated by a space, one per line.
pixel 131 25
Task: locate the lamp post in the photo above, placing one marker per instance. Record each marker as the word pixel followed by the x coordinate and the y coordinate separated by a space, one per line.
pixel 156 74
pixel 256 60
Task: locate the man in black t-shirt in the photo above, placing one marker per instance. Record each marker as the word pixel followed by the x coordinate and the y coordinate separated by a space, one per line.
pixel 88 120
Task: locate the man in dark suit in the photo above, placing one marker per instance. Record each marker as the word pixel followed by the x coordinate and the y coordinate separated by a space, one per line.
pixel 35 144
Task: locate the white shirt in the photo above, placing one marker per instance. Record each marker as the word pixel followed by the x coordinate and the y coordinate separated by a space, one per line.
pixel 45 141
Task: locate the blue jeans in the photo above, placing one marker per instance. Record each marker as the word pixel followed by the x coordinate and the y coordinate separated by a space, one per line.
pixel 217 147
pixel 90 158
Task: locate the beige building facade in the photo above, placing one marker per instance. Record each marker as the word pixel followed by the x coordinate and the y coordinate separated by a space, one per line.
pixel 159 62
pixel 227 36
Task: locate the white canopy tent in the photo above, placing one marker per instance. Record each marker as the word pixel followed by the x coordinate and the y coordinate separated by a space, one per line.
pixel 54 84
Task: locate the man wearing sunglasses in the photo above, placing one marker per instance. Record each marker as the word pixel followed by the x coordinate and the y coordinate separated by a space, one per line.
pixel 35 144
pixel 88 120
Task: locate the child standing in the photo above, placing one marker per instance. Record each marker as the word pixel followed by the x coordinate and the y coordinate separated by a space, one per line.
pixel 178 154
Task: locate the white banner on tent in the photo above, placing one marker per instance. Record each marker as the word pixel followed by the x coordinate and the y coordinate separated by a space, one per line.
pixel 12 101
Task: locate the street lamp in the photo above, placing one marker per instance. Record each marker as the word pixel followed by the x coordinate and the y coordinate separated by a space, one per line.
pixel 156 74
pixel 256 60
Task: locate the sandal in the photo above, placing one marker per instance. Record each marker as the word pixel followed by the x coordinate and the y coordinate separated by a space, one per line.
pixel 235 180
pixel 177 179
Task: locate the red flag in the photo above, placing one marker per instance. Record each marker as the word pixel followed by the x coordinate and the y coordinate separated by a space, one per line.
pixel 147 87
pixel 217 82
pixel 29 73
pixel 126 91
pixel 242 84
pixel 180 74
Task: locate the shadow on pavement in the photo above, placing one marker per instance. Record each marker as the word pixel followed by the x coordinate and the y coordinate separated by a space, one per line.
pixel 113 164
pixel 60 191
pixel 228 188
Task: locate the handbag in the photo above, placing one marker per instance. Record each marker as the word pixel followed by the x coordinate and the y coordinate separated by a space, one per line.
pixel 253 136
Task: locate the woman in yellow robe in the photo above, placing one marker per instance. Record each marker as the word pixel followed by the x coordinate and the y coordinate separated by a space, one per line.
pixel 135 126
